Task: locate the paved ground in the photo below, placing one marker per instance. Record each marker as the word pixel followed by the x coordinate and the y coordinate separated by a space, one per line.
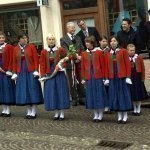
pixel 76 132
pixel 147 73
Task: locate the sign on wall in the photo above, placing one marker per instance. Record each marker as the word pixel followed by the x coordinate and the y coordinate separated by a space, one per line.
pixel 42 2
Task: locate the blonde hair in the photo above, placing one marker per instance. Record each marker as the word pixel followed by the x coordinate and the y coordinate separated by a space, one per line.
pixel 50 35
pixel 130 46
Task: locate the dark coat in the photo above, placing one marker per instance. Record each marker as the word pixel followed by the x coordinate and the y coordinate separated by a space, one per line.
pixel 91 31
pixel 147 28
pixel 66 41
pixel 126 38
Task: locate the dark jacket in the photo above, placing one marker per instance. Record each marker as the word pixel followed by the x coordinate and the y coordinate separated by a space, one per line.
pixel 147 28
pixel 66 41
pixel 126 38
pixel 91 31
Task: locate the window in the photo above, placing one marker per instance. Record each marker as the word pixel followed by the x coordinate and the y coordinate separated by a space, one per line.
pixel 119 9
pixel 19 22
pixel 76 4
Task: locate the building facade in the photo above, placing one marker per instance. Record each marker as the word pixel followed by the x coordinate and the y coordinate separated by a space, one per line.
pixel 24 16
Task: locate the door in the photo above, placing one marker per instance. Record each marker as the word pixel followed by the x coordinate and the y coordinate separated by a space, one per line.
pixel 90 19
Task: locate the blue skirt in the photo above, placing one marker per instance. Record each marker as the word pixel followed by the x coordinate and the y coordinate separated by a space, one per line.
pixel 96 96
pixel 56 93
pixel 7 90
pixel 28 88
pixel 119 95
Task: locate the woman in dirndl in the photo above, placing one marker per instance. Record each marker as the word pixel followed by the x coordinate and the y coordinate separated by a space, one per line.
pixel 7 86
pixel 56 89
pixel 118 72
pixel 25 69
pixel 92 71
pixel 138 90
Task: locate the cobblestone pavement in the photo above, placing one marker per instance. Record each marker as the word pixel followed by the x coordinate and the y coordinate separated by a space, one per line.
pixel 147 73
pixel 76 132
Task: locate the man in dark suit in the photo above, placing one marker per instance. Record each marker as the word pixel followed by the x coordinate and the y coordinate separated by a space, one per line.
pixel 87 31
pixel 73 67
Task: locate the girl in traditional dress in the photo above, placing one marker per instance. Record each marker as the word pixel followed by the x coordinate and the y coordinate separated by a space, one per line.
pixel 56 91
pixel 25 68
pixel 104 44
pixel 92 70
pixel 138 90
pixel 7 86
pixel 104 48
pixel 118 72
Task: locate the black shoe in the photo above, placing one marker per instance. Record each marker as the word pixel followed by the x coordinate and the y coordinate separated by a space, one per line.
pixel 95 120
pixel 61 119
pixel 108 112
pixel 27 117
pixel 7 115
pixel 32 117
pixel 138 114
pixel 134 114
pixel 119 121
pixel 56 118
pixel 2 114
pixel 124 122
pixel 98 120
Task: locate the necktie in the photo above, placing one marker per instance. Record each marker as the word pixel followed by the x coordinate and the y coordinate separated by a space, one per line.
pixel 85 33
pixel 72 37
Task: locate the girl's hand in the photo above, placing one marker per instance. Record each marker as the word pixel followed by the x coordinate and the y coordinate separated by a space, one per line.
pixel 14 77
pixel 128 81
pixel 83 81
pixel 106 83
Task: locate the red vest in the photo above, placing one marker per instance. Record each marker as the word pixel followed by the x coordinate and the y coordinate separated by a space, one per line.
pixel 97 60
pixel 139 65
pixel 45 60
pixel 7 57
pixel 31 58
pixel 123 64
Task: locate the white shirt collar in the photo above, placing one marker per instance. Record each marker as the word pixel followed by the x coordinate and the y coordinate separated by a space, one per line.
pixel 112 51
pixel 70 35
pixel 95 49
pixel 3 46
pixel 22 47
pixel 134 57
pixel 54 48
pixel 99 48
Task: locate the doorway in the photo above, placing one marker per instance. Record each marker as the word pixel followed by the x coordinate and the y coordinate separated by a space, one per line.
pixel 90 19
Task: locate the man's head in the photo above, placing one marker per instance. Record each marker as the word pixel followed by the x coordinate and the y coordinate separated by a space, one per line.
pixel 81 24
pixel 126 24
pixel 70 28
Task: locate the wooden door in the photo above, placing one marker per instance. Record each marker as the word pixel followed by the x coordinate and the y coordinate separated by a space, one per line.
pixel 91 19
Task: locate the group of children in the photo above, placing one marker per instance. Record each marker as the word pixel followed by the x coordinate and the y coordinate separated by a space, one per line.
pixel 120 70
pixel 113 77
